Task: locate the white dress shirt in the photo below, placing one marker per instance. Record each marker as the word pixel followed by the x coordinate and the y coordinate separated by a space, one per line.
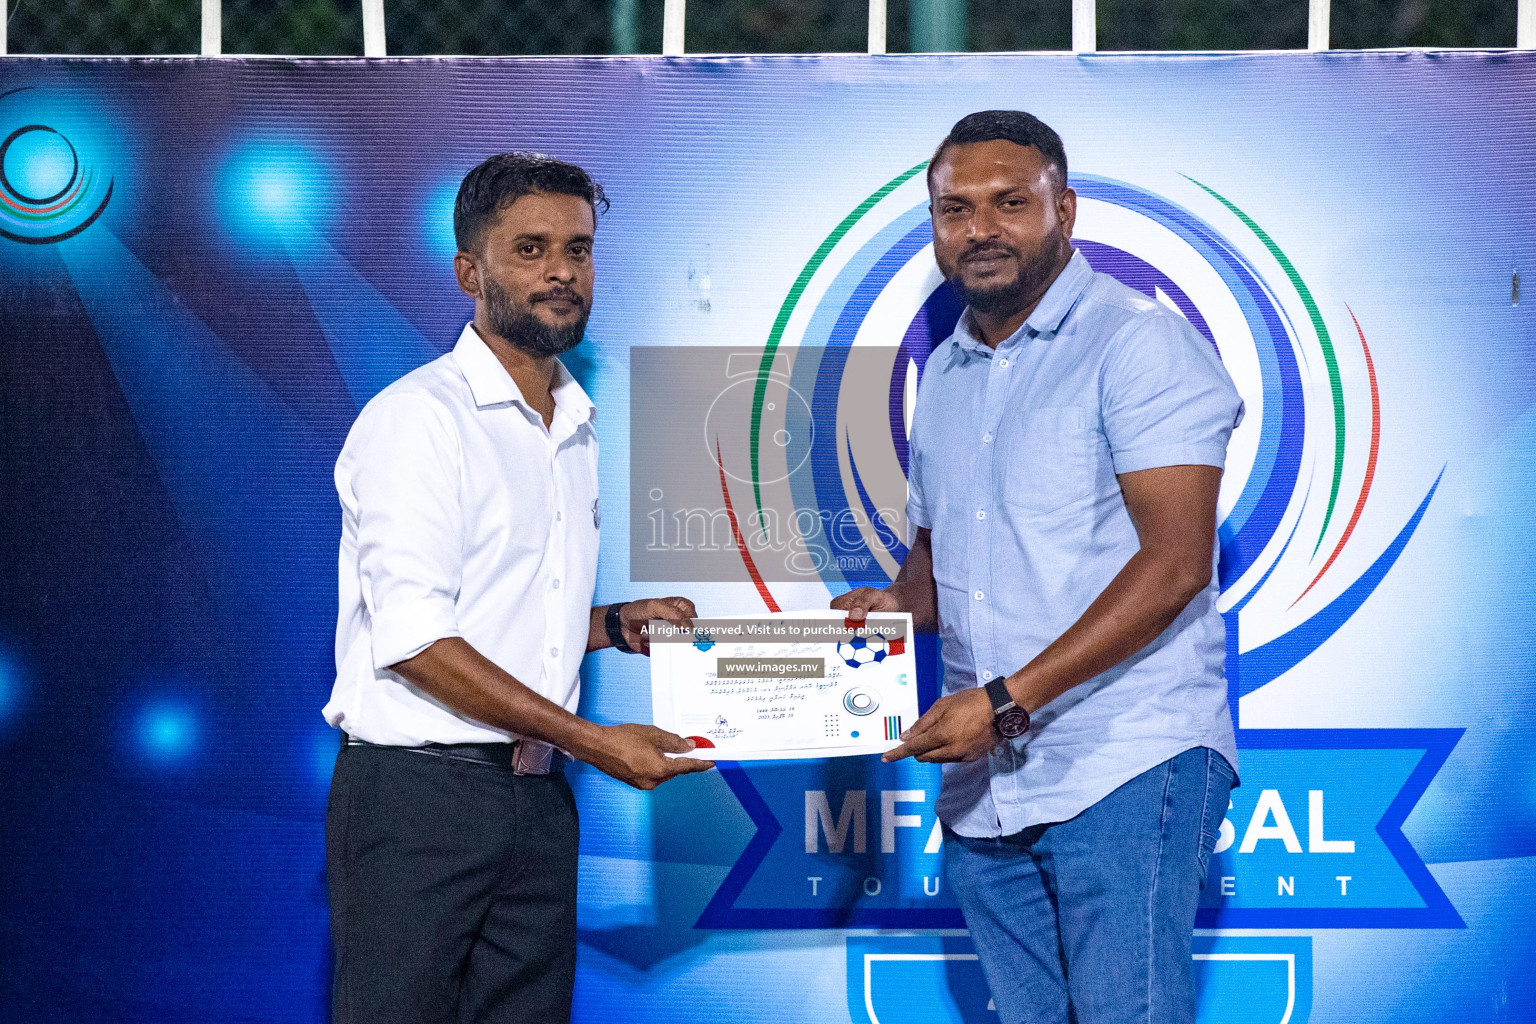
pixel 462 515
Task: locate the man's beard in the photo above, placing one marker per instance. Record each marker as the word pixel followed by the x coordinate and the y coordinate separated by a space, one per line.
pixel 516 322
pixel 1035 274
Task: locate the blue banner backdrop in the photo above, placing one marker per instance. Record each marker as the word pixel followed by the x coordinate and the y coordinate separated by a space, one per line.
pixel 208 266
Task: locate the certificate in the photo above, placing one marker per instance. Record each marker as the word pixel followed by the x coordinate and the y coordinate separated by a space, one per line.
pixel 802 684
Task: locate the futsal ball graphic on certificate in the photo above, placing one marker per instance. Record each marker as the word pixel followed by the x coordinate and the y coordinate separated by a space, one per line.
pixel 803 684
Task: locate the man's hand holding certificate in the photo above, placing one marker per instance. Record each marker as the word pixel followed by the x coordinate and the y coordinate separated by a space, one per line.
pixel 797 685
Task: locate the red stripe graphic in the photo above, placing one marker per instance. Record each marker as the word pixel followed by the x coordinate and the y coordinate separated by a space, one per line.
pixel 1370 464
pixel 741 544
pixel 79 183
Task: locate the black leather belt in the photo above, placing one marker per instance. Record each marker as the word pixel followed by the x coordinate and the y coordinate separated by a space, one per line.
pixel 523 757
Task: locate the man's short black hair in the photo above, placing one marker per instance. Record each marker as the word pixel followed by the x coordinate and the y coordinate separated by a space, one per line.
pixel 1013 125
pixel 503 179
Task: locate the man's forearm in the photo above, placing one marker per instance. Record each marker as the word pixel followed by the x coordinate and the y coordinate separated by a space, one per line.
pixel 914 588
pixel 1140 602
pixel 597 632
pixel 459 676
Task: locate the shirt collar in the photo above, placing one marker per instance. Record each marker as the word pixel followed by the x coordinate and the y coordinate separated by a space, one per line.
pixel 966 339
pixel 1052 309
pixel 571 398
pixel 1062 295
pixel 488 380
pixel 491 384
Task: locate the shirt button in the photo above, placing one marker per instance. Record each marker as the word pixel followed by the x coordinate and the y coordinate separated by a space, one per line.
pixel 987 438
pixel 1003 363
pixel 980 595
pixel 559 516
pixel 557 584
pixel 981 513
pixel 554 652
pixel 987 674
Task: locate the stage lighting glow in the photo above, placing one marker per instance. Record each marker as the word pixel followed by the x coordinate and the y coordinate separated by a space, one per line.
pixel 437 219
pixel 166 732
pixel 40 163
pixel 325 747
pixel 274 192
pixel 278 193
pixel 10 687
pixel 57 175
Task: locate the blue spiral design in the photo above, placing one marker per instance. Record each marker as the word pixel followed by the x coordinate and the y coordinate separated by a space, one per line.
pixel 1270 488
pixel 47 193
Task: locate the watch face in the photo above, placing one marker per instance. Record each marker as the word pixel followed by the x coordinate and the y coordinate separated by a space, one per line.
pixel 1013 723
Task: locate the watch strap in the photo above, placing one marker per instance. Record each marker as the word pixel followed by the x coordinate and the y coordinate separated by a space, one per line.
pixel 1009 718
pixel 615 628
pixel 997 693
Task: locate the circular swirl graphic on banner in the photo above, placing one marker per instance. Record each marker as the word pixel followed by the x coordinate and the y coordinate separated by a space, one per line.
pixel 47 192
pixel 866 313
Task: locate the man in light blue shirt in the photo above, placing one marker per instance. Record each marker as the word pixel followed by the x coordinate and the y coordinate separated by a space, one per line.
pixel 1067 449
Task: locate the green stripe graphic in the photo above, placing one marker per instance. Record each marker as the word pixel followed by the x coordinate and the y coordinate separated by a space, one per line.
pixel 788 308
pixel 80 194
pixel 1324 340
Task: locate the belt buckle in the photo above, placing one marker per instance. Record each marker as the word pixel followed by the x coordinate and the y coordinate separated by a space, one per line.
pixel 532 757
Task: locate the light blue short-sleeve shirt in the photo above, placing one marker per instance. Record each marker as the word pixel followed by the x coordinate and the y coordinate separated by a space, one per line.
pixel 1014 458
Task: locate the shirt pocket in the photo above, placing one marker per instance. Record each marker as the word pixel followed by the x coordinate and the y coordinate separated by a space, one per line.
pixel 1048 459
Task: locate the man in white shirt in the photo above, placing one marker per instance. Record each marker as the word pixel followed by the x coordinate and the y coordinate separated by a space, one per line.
pixel 468 564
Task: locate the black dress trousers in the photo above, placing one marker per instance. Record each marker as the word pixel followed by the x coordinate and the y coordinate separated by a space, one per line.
pixel 453 890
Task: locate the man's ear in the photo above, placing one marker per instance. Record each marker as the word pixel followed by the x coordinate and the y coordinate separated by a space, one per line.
pixel 1066 210
pixel 468 274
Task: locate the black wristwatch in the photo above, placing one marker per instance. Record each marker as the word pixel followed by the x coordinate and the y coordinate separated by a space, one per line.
pixel 615 628
pixel 1010 720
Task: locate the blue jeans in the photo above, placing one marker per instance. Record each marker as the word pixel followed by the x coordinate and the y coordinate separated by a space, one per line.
pixel 1091 920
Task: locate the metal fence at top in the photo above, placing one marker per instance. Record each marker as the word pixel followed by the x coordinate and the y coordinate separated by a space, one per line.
pixel 487 27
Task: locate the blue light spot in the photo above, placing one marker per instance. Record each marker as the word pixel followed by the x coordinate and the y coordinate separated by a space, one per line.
pixel 10 687
pixel 39 164
pixel 274 192
pixel 854 734
pixel 166 732
pixel 437 220
pixel 325 748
